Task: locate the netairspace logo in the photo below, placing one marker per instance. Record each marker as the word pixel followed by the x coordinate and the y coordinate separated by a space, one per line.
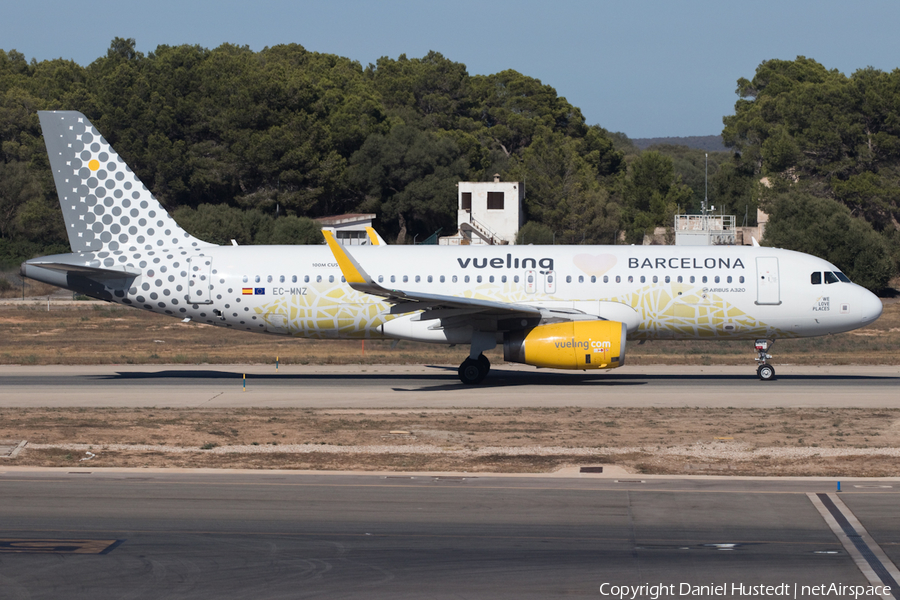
pixel 735 590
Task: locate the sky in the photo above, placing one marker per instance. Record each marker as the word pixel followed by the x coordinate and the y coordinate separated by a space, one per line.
pixel 648 69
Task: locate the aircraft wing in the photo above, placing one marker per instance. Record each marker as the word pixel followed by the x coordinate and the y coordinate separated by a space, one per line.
pixel 405 301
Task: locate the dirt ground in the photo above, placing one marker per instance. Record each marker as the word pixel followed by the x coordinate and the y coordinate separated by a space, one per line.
pixel 822 442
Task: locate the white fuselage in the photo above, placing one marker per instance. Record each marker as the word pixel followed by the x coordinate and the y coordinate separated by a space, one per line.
pixel 675 292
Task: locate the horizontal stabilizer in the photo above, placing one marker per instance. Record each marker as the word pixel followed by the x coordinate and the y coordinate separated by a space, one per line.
pixel 86 271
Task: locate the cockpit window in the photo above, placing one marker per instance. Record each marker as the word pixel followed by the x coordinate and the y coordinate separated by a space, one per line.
pixel 842 277
pixel 816 278
pixel 830 277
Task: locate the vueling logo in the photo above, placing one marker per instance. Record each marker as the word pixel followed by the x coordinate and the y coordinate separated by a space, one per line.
pixel 509 263
pixel 600 346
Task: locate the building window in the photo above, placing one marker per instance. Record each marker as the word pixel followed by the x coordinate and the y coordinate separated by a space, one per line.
pixel 465 202
pixel 495 200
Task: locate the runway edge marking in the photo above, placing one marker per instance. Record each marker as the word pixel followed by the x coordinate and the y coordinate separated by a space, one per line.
pixel 871 560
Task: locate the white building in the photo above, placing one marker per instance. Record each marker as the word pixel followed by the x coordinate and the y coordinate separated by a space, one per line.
pixel 350 230
pixel 488 212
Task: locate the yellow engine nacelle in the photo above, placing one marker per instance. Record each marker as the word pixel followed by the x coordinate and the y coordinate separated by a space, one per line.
pixel 568 345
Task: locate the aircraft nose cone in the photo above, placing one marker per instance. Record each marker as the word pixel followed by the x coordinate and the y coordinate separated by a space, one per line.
pixel 871 307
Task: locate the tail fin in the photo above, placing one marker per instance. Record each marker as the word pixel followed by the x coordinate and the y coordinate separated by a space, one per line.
pixel 104 204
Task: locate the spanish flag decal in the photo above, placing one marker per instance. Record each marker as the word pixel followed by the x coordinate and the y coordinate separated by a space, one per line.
pixel 247 291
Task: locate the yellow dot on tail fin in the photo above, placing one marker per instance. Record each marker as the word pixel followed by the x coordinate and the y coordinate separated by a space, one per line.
pixel 94 165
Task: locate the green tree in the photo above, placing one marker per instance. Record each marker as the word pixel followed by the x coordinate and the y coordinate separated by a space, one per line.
pixel 825 228
pixel 651 193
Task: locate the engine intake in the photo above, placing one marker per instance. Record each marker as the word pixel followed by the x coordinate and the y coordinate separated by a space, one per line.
pixel 568 345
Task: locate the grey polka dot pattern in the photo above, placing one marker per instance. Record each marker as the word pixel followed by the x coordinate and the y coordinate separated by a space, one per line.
pixel 104 204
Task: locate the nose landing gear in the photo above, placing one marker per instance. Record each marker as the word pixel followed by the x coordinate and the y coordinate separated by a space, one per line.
pixel 764 371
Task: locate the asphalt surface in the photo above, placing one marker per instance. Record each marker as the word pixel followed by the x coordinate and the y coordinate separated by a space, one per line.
pixel 366 386
pixel 147 534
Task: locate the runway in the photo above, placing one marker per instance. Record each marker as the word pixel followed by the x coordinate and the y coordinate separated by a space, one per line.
pixel 146 534
pixel 367 386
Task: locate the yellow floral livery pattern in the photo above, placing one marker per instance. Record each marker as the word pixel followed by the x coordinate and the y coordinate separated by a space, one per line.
pixel 667 311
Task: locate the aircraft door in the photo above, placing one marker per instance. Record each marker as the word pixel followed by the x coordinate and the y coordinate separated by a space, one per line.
pixel 530 281
pixel 549 282
pixel 768 286
pixel 199 282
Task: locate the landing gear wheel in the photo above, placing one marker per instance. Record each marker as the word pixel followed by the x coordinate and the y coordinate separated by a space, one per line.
pixel 766 372
pixel 472 372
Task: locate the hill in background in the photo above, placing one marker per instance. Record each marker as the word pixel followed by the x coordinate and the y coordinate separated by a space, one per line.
pixel 709 143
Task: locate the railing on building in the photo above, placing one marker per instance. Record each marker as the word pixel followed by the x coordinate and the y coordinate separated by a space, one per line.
pixel 705 230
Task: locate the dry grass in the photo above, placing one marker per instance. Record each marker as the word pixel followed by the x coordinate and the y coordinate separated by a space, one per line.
pixel 101 333
pixel 569 429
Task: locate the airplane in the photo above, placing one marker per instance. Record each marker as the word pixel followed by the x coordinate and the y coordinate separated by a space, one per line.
pixel 562 307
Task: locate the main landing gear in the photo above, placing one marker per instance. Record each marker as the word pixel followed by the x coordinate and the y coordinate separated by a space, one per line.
pixel 473 371
pixel 764 371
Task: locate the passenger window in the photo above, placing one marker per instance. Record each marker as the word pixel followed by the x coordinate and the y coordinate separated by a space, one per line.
pixel 581 279
pixel 668 279
pixel 454 279
pixel 729 279
pixel 281 279
pixel 816 278
pixel 692 279
pixel 418 278
pixel 503 279
pixel 269 279
pixel 343 279
pixel 568 279
pixel 478 279
pixel 405 278
pixel 643 279
pixel 741 279
pixel 630 279
pixel 380 278
pixel 491 279
pixel 704 279
pixel 318 279
pixel 293 279
pixel 256 279
pixel 830 277
pixel 680 279
pixel 466 280
pixel 606 279
pixel 331 279
pixel 442 279
pixel 393 279
pixel 655 279
pixel 531 279
pixel 593 279
pixel 717 279
pixel 430 279
pixel 306 279
pixel 246 279
pixel 515 279
pixel 618 279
